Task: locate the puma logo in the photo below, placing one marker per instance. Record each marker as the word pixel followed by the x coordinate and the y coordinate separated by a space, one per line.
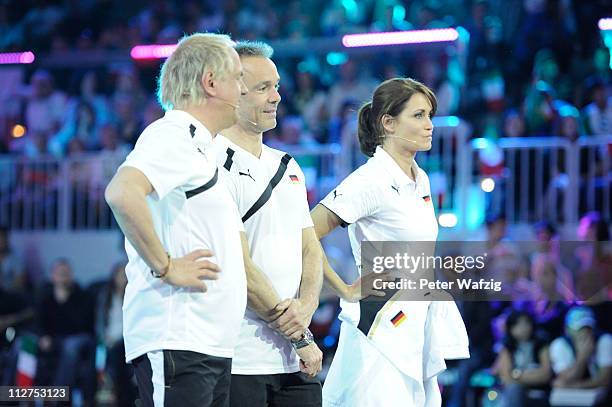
pixel 396 189
pixel 336 194
pixel 247 174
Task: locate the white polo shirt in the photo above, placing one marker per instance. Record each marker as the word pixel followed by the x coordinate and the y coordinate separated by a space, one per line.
pixel 381 203
pixel 275 238
pixel 191 209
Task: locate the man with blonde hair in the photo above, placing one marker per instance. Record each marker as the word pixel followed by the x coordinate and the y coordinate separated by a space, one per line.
pixel 182 227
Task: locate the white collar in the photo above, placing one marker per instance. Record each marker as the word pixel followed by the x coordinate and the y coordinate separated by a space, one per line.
pixel 199 133
pixel 398 175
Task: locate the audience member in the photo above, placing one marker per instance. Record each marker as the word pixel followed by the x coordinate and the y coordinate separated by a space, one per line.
pixel 598 113
pixel 16 310
pixel 514 124
pixel 523 365
pixel 109 331
pixel 65 323
pixel 554 288
pixel 349 85
pixel 45 107
pixel 477 317
pixel 583 357
pixel 12 273
pixel 81 125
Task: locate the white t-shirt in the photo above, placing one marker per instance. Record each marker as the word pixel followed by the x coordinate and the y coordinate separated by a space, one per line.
pixel 562 355
pixel 381 203
pixel 191 209
pixel 274 233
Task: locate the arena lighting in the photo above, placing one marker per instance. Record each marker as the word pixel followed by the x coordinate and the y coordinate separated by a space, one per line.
pixel 487 184
pixel 336 58
pixel 605 24
pixel 152 51
pixel 445 121
pixel 18 131
pixel 17 58
pixel 400 37
pixel 480 143
pixel 447 220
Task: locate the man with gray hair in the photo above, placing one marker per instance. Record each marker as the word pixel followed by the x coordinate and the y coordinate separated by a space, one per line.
pixel 276 358
pixel 182 227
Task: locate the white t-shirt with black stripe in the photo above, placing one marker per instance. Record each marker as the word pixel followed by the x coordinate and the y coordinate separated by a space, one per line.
pixel 275 238
pixel 191 209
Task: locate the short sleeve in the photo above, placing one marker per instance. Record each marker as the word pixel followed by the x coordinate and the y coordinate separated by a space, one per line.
pixel 561 355
pixel 304 208
pixel 230 182
pixel 227 171
pixel 353 199
pixel 163 154
pixel 603 353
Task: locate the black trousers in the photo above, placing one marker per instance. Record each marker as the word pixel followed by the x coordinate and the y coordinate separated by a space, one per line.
pixel 275 390
pixel 183 379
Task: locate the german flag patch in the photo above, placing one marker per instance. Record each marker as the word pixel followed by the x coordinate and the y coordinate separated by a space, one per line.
pixel 398 319
pixel 294 179
pixel 427 198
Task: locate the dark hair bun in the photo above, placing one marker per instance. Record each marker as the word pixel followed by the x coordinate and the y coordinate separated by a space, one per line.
pixel 368 139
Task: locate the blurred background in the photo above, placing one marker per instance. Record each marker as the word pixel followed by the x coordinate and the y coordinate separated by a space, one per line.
pixel 521 152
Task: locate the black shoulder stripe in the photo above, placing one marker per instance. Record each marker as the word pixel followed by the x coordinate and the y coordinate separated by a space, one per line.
pixel 208 185
pixel 282 167
pixel 229 161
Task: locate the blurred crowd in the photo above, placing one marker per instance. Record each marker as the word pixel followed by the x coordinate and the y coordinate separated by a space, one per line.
pixel 554 333
pixel 531 67
pixel 55 332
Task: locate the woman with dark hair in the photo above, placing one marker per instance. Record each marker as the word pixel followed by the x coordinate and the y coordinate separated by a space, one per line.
pixel 380 359
pixel 81 125
pixel 523 363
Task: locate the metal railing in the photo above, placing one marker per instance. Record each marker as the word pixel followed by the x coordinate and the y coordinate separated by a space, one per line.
pixel 51 194
pixel 548 178
pixel 538 178
pixel 68 194
pixel 447 163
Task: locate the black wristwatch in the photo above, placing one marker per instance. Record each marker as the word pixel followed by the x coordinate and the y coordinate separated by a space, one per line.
pixel 304 341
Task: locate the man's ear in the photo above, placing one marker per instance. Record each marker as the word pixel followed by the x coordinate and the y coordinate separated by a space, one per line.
pixel 208 84
pixel 388 123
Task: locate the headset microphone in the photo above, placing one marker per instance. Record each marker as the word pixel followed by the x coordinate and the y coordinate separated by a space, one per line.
pixel 233 106
pixel 403 138
pixel 247 119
